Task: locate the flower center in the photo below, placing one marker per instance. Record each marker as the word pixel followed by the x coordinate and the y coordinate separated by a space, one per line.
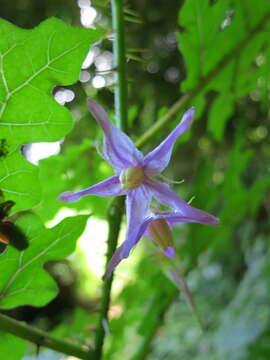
pixel 131 177
pixel 162 236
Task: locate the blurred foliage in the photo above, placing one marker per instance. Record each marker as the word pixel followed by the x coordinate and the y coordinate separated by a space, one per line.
pixel 218 50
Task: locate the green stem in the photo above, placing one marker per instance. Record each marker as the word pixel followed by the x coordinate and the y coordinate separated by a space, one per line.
pixel 41 338
pixel 185 100
pixel 115 214
pixel 121 89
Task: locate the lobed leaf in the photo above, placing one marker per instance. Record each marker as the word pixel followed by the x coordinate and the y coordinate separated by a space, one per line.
pixel 23 281
pixel 32 63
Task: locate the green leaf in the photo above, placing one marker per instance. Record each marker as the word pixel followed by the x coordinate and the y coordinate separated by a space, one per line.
pixel 23 279
pixel 18 180
pixel 222 108
pixel 32 63
pixel 11 346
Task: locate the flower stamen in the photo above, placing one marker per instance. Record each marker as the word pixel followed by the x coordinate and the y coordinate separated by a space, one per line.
pixel 131 177
pixel 169 181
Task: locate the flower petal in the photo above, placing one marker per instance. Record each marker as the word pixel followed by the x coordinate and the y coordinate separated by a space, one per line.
pixel 118 149
pixel 123 251
pixel 166 196
pixel 137 206
pixel 158 159
pixel 175 217
pixel 169 252
pixel 105 188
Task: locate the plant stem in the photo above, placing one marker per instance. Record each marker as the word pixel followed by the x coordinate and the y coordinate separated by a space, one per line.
pixel 41 338
pixel 185 100
pixel 121 89
pixel 115 214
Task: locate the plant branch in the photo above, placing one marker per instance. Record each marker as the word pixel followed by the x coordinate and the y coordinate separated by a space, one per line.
pixel 42 338
pixel 185 100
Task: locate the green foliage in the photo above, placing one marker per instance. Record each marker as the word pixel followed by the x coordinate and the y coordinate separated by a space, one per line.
pixel 32 63
pixel 12 346
pixel 247 317
pixel 76 327
pixel 23 279
pixel 226 54
pixel 224 39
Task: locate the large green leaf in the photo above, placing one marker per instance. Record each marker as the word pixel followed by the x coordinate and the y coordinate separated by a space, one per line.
pixel 32 63
pixel 18 180
pixel 23 279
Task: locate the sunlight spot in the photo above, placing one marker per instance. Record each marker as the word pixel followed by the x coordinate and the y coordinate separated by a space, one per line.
pixel 64 95
pixel 88 13
pixel 84 76
pixel 98 81
pixel 90 57
pixel 37 151
pixel 93 244
pixel 104 61
pixel 84 3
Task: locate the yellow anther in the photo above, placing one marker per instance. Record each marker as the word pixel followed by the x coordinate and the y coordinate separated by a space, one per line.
pixel 131 177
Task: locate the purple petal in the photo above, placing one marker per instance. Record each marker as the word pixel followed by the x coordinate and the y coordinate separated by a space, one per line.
pixel 105 188
pixel 169 252
pixel 158 159
pixel 166 196
pixel 137 206
pixel 137 203
pixel 174 217
pixel 123 251
pixel 118 149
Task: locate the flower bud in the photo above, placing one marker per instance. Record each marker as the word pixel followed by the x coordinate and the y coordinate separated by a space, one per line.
pixel 131 177
pixel 162 236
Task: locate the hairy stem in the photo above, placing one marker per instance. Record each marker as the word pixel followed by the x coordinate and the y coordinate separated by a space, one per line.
pixel 41 338
pixel 185 100
pixel 121 90
pixel 115 214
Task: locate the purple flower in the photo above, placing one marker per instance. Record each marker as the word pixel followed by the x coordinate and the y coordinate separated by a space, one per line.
pixel 156 226
pixel 134 177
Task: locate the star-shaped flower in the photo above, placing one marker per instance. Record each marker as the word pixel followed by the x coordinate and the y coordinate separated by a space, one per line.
pixel 156 226
pixel 135 176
